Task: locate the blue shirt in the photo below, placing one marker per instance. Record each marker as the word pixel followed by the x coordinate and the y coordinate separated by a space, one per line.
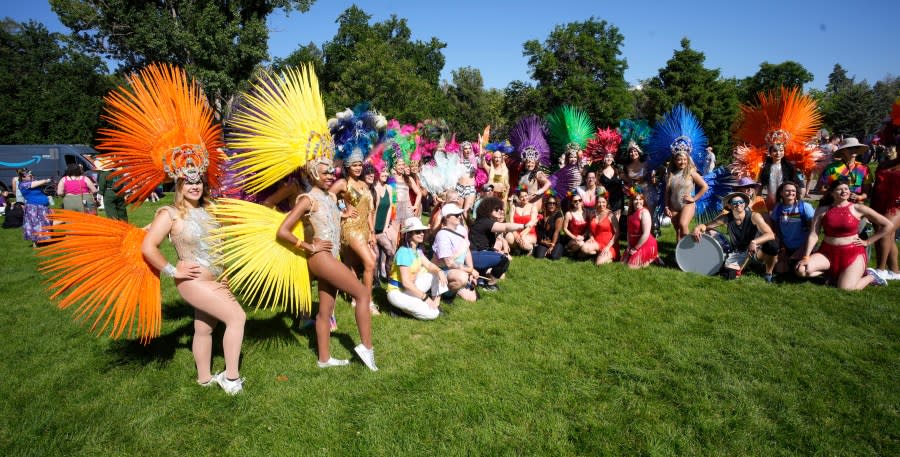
pixel 33 195
pixel 793 223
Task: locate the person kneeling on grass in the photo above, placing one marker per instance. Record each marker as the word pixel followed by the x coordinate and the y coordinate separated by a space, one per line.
pixel 451 254
pixel 483 234
pixel 416 284
pixel 749 234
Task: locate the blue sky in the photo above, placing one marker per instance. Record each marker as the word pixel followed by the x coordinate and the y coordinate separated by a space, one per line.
pixel 735 36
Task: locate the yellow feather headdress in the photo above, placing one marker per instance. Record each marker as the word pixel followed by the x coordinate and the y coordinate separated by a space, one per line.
pixel 278 127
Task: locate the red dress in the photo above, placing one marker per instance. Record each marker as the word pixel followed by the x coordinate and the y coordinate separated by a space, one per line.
pixel 648 252
pixel 886 198
pixel 577 227
pixel 602 231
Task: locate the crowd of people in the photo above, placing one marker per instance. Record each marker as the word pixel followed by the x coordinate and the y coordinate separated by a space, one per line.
pixel 597 197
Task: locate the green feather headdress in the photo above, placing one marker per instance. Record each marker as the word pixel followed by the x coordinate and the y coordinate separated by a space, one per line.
pixel 568 126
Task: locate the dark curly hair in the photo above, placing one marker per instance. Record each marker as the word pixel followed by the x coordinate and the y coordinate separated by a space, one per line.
pixel 487 206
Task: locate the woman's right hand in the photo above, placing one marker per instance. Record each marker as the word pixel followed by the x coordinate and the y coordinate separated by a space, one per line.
pixel 187 270
pixel 321 245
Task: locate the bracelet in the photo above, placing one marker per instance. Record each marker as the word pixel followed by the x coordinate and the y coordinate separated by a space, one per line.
pixel 169 270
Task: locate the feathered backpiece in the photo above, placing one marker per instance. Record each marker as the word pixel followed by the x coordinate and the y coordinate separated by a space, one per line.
pixel 605 141
pixel 721 183
pixel 442 173
pixel 399 144
pixel 97 264
pixel 503 146
pixel 281 125
pixel 785 117
pixel 161 126
pixel 569 127
pixel 679 131
pixel 356 132
pixel 635 132
pixel 528 139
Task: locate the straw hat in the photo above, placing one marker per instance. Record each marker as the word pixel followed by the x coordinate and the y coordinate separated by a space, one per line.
pixel 412 224
pixel 851 145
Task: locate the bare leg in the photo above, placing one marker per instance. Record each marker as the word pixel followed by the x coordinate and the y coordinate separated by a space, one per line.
pixel 214 299
pixel 328 270
pixel 817 265
pixel 854 277
pixel 682 220
pixel 201 346
pixel 886 248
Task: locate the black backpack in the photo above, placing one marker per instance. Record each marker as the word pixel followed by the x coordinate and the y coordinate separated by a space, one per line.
pixel 15 215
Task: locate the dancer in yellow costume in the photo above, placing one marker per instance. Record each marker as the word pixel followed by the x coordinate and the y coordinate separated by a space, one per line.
pixel 282 129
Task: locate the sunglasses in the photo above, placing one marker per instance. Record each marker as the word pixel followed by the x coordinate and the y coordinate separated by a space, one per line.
pixel 551 203
pixel 577 200
pixel 737 202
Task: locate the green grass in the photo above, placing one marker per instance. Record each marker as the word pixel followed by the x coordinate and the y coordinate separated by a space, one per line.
pixel 567 359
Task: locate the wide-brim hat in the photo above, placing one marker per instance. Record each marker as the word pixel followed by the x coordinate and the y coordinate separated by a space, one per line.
pixel 412 224
pixel 726 201
pixel 746 181
pixel 851 145
pixel 451 209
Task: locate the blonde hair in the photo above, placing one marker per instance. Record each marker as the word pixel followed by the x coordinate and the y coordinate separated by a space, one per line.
pixel 689 169
pixel 181 205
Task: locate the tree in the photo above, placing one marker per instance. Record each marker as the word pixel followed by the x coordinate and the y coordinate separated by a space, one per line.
pixel 772 76
pixel 381 64
pixel 838 79
pixel 50 93
pixel 521 99
pixel 712 99
pixel 469 104
pixel 219 42
pixel 309 54
pixel 855 108
pixel 580 64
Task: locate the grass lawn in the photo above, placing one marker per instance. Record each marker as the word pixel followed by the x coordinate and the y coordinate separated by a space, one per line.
pixel 567 359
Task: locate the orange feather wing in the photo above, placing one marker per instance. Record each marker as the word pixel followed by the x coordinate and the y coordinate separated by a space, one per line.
pixel 96 265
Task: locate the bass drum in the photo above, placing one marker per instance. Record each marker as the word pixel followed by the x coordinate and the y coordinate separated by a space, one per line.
pixel 705 256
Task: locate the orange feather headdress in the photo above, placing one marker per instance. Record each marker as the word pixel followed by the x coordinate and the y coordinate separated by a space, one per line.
pixel 162 127
pixel 785 117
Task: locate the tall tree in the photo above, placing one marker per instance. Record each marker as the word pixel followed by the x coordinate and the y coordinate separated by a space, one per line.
pixel 220 42
pixel 580 63
pixel 521 99
pixel 380 63
pixel 50 93
pixel 772 76
pixel 838 79
pixel 469 109
pixel 713 100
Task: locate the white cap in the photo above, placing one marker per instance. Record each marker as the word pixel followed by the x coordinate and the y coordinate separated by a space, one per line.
pixel 451 209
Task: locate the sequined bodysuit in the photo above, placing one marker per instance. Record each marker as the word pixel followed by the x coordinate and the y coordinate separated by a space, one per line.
pixel 323 221
pixel 357 227
pixel 192 242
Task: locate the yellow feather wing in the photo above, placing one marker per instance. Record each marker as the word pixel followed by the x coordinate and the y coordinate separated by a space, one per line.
pixel 260 269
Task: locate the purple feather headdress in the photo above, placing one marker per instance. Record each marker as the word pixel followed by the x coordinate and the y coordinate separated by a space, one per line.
pixel 528 139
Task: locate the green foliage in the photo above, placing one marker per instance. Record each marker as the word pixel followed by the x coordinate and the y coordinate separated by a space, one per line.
pixel 580 64
pixel 770 77
pixel 712 99
pixel 219 42
pixel 379 63
pixel 566 359
pixel 471 107
pixel 855 108
pixel 50 93
pixel 309 54
pixel 519 100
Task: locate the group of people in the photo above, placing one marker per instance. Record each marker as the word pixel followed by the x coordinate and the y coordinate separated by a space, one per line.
pixel 360 188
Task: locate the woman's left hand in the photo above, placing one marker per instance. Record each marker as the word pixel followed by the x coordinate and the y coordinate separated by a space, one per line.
pixel 688 199
pixel 857 241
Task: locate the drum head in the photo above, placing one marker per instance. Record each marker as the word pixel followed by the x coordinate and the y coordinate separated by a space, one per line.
pixel 705 256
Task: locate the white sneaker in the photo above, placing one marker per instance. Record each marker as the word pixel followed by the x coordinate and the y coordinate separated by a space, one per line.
pixel 367 356
pixel 891 276
pixel 333 362
pixel 878 280
pixel 212 381
pixel 230 387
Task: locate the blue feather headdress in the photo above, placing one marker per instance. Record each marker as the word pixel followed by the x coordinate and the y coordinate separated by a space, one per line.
pixel 721 183
pixel 528 139
pixel 634 132
pixel 679 131
pixel 356 132
pixel 502 146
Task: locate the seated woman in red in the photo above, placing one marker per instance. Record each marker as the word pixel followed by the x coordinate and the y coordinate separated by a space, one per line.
pixel 642 249
pixel 842 253
pixel 575 225
pixel 602 224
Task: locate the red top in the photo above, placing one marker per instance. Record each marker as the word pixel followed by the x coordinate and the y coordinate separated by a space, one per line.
pixel 522 219
pixel 838 221
pixel 577 227
pixel 601 229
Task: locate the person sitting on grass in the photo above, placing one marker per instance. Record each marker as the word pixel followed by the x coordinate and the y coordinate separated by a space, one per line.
pixel 451 254
pixel 483 234
pixel 603 228
pixel 416 284
pixel 749 234
pixel 842 253
pixel 642 247
pixel 522 211
pixel 548 229
pixel 791 220
pixel 575 225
